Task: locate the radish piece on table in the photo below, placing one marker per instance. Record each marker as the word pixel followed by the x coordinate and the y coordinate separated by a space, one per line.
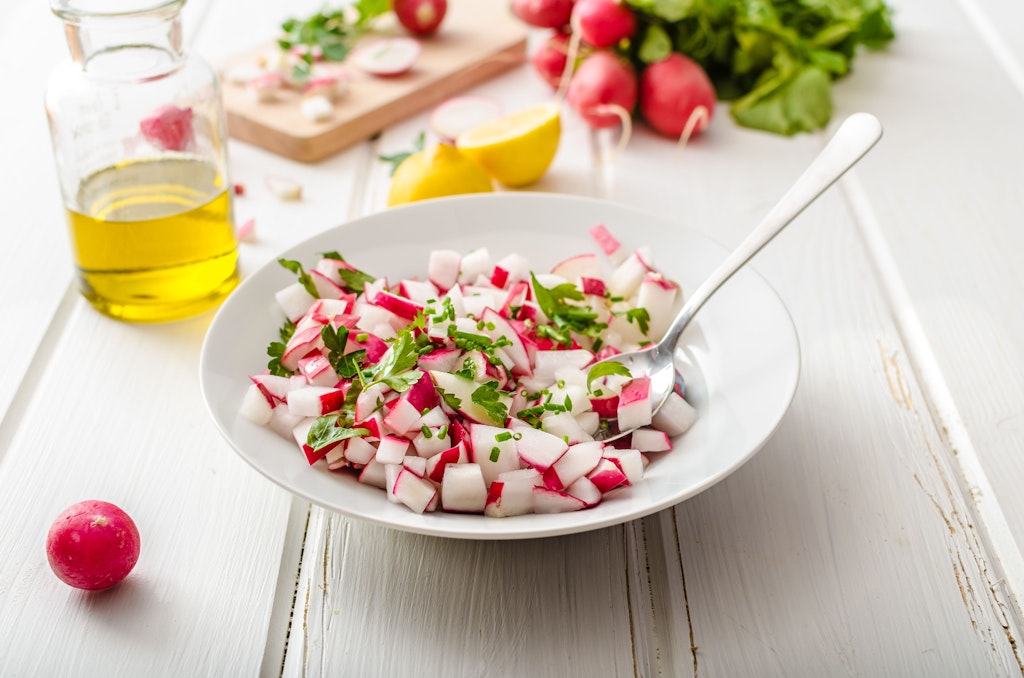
pixel 461 114
pixel 387 57
pixel 92 545
pixel 283 189
pixel 317 108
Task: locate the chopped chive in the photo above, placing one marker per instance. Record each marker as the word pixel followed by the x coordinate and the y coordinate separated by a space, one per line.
pixel 495 453
pixel 425 430
pixel 503 436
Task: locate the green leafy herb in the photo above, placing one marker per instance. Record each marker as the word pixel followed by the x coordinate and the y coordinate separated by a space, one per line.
pixel 641 317
pixel 489 398
pixel 450 399
pixel 352 278
pixel 304 278
pixel 326 430
pixel 276 350
pixel 397 159
pixel 774 59
pixel 565 317
pixel 606 369
pixel 330 31
pixel 396 366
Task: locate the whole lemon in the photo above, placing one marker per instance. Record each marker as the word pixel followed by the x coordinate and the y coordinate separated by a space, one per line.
pixel 435 172
pixel 518 148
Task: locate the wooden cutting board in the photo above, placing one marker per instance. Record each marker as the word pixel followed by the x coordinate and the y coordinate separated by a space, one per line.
pixel 478 39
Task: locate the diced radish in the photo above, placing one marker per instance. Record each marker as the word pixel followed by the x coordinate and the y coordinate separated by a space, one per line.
pixel 585 490
pixel 313 401
pixel 607 475
pixel 360 451
pixel 300 345
pixel 417 465
pixel 283 189
pixel 537 448
pixel 658 296
pixel 460 114
pixel 554 501
pixel 431 441
pixel 463 489
pixel 294 300
pixel 325 287
pixel 611 247
pixel 317 369
pixel 635 407
pixel 387 57
pixel 579 460
pixel 317 108
pixel 402 417
pixel 436 464
pixel 650 440
pixel 461 389
pixel 415 492
pixel 675 416
pixel 564 425
pixel 443 359
pixel 336 458
pixel 282 422
pixel 512 493
pixel 625 280
pixel 374 473
pixel 606 407
pixel 400 306
pixel 331 87
pixel 255 407
pixel 497 327
pixel 369 401
pixel 546 363
pixel 630 462
pixel 475 263
pixel 494 449
pixel 579 266
pixel 593 286
pixel 433 418
pixel 443 268
pixel 391 449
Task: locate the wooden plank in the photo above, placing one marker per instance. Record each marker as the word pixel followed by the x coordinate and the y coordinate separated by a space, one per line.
pixel 459 56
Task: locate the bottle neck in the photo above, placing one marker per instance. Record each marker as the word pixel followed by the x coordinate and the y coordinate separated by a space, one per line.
pixel 142 43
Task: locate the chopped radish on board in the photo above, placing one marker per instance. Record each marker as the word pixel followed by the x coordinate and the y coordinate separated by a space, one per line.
pixel 387 57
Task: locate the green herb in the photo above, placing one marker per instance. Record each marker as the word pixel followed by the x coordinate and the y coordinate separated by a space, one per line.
pixel 397 159
pixel 489 398
pixel 426 432
pixel 276 350
pixel 641 317
pixel 331 31
pixel 503 436
pixel 304 278
pixel 774 59
pixel 347 365
pixel 565 317
pixel 326 430
pixel 606 369
pixel 396 366
pixel 495 454
pixel 352 278
pixel 450 399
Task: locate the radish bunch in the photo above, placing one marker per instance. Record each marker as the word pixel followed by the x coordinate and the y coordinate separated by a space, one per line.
pixel 593 41
pixel 472 390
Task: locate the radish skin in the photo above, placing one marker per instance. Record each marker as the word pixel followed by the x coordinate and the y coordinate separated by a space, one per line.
pixel 420 17
pixel 543 13
pixel 676 93
pixel 603 23
pixel 92 545
pixel 601 81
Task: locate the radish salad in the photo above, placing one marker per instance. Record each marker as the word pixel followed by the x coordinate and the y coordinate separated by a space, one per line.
pixel 474 390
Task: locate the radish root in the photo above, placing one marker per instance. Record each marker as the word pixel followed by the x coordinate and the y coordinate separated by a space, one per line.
pixel 572 51
pixel 699 115
pixel 627 125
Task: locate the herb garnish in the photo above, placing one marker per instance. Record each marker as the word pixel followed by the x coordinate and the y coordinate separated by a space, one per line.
pixel 565 317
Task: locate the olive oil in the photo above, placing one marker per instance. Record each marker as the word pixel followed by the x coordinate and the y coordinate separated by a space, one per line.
pixel 154 240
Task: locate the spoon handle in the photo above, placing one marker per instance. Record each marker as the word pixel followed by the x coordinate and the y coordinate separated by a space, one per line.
pixel 852 140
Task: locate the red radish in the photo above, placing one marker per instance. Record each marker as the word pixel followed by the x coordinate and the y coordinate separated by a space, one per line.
pixel 603 23
pixel 460 114
pixel 387 57
pixel 92 545
pixel 543 13
pixel 602 81
pixel 674 90
pixel 420 17
pixel 169 128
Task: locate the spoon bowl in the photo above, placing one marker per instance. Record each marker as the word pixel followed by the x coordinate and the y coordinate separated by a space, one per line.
pixel 854 138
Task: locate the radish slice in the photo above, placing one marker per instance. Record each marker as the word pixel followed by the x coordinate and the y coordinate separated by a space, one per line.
pixel 388 56
pixel 461 114
pixel 284 189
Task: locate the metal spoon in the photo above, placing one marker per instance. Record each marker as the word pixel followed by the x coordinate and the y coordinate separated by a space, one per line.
pixel 852 140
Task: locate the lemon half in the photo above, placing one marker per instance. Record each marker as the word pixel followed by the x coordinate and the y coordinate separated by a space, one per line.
pixel 435 172
pixel 515 149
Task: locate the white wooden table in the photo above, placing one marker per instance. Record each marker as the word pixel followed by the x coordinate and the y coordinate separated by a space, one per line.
pixel 879 532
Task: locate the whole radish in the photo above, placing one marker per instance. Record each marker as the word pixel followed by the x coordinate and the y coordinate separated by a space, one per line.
pixel 550 57
pixel 603 23
pixel 672 91
pixel 602 82
pixel 92 545
pixel 420 17
pixel 543 13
